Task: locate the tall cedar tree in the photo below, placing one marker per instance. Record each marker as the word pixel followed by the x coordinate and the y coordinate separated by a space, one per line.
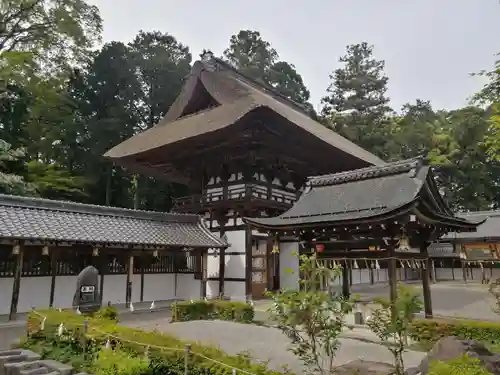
pixel 356 105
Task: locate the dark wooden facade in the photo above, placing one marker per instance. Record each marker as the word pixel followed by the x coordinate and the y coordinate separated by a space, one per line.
pixel 243 149
pixel 380 209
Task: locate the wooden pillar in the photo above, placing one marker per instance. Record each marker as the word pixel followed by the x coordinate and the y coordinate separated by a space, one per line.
pixel 53 274
pixel 453 269
pixel 276 265
pixel 143 269
pixel 203 284
pixel 18 270
pixel 426 287
pixel 434 271
pixel 391 273
pixel 222 271
pixel 346 293
pixel 248 261
pixel 103 268
pixel 130 272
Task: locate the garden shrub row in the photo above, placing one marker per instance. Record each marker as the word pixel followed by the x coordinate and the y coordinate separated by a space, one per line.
pixel 428 331
pixel 165 353
pixel 212 309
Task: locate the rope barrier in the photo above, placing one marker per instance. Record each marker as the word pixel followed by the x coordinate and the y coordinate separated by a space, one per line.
pixel 109 336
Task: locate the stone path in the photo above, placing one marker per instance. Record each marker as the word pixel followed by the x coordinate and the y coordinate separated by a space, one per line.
pixel 264 343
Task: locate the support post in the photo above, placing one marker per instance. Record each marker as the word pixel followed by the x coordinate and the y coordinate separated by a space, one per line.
pixel 434 271
pixel 222 270
pixel 276 266
pixel 426 288
pixel 453 269
pixel 203 285
pixel 130 271
pixel 17 281
pixel 345 282
pixel 391 273
pixel 53 274
pixel 143 269
pixel 103 268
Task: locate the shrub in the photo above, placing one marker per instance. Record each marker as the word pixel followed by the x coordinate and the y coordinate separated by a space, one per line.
pixel 214 309
pixel 460 366
pixel 430 331
pixel 109 312
pixel 166 352
pixel 119 362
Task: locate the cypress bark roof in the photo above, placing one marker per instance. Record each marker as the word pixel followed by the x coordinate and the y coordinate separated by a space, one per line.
pixel 24 218
pixel 367 195
pixel 237 96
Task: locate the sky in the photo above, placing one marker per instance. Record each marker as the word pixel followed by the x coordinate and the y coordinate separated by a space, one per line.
pixel 430 47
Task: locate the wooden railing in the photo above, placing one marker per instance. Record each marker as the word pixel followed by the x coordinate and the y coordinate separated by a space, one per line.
pixel 247 191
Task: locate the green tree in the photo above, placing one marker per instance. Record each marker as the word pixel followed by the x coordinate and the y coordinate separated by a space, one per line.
pixel 391 322
pixel 311 318
pixel 10 181
pixel 253 56
pixel 356 105
pixel 55 33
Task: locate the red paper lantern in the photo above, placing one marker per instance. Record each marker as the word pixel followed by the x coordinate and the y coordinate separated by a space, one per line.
pixel 320 248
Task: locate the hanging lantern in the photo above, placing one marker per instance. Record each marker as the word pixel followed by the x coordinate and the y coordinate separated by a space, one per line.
pixel 155 253
pixel 16 249
pixel 320 247
pixel 45 250
pixel 95 252
pixel 372 248
pixel 404 243
pixel 276 249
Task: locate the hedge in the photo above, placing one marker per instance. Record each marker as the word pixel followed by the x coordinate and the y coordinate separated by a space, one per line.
pixel 165 351
pixel 431 330
pixel 212 309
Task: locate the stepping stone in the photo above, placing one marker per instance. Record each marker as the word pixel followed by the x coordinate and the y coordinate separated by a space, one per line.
pixel 61 368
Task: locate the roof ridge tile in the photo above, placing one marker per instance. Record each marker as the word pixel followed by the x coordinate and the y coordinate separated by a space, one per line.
pixel 399 167
pixel 92 209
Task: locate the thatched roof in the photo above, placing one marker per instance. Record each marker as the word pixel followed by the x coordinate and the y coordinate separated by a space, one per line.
pixel 237 96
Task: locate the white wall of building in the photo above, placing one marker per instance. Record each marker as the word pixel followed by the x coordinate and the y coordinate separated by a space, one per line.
pixel 235 265
pixel 35 291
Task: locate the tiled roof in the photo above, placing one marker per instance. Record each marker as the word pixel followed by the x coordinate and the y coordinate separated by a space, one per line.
pixel 48 220
pixel 490 229
pixel 379 191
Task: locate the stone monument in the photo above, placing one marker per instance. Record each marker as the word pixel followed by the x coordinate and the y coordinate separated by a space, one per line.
pixel 87 295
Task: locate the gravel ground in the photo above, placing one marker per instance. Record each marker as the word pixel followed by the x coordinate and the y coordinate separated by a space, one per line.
pixel 264 343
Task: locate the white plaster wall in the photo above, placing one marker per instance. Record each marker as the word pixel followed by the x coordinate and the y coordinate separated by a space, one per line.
pixel 235 290
pixel 64 291
pixel 34 292
pixel 5 294
pixel 235 264
pixel 159 287
pixel 115 289
pixel 136 287
pixel 289 265
pixel 212 288
pixel 447 273
pixel 187 287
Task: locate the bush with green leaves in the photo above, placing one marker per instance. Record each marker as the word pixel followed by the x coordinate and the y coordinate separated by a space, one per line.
pixel 460 366
pixel 82 350
pixel 391 322
pixel 313 319
pixel 212 309
pixel 108 312
pixel 119 362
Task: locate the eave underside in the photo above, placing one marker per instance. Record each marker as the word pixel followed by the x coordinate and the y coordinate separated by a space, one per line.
pixel 250 139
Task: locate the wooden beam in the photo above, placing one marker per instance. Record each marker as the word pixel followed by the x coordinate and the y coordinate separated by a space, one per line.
pixel 130 271
pixel 143 267
pixel 16 285
pixel 103 267
pixel 426 276
pixel 391 273
pixel 53 274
